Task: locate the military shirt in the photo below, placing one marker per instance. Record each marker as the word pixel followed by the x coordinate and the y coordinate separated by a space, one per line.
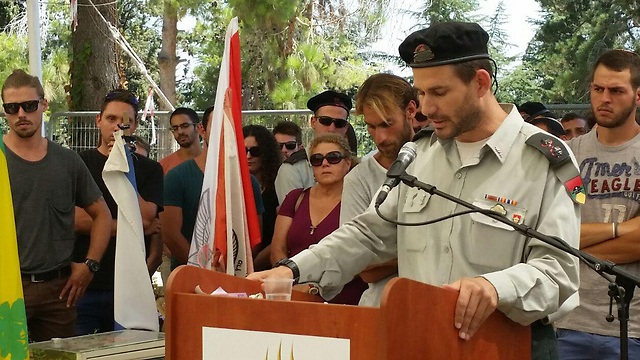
pixel 532 279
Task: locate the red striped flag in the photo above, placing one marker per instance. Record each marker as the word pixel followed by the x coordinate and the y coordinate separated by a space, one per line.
pixel 227 220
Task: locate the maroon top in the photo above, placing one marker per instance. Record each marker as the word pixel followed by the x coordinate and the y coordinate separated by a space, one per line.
pixel 301 235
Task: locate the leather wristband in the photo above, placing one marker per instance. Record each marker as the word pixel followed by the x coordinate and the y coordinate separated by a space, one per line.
pixel 291 265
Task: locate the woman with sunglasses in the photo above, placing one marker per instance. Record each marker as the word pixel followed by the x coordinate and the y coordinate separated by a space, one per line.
pixel 264 158
pixel 308 215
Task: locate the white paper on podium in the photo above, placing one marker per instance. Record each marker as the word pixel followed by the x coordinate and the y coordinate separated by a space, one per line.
pixel 218 344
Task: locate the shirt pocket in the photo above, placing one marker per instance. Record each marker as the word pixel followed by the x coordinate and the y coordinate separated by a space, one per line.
pixel 61 221
pixel 415 203
pixel 492 244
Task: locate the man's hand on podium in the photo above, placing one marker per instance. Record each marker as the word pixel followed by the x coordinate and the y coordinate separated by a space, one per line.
pixel 477 300
pixel 280 272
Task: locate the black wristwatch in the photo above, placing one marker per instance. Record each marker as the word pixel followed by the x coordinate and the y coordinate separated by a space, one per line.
pixel 291 265
pixel 93 265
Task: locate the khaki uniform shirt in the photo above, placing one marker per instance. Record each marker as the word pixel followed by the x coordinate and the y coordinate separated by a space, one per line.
pixel 532 279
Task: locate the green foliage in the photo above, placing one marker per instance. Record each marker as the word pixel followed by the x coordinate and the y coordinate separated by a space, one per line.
pixel 571 36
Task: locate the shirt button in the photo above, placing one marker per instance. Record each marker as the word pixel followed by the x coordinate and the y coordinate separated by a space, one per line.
pixel 446 249
pixel 458 175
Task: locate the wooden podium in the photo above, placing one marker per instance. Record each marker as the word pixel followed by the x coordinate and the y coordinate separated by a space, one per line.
pixel 414 321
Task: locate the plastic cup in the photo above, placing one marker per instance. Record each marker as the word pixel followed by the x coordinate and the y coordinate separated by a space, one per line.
pixel 278 289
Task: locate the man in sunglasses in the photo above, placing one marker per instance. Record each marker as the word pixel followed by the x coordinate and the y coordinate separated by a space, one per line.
pixel 184 123
pixel 95 310
pixel 289 137
pixel 47 181
pixel 484 153
pixel 330 114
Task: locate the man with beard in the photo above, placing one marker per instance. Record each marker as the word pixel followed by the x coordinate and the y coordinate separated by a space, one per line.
pixel 182 190
pixel 484 153
pixel 95 310
pixel 389 105
pixel 184 124
pixel 47 181
pixel 608 158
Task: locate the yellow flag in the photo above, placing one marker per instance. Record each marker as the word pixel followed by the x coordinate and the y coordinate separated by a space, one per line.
pixel 13 320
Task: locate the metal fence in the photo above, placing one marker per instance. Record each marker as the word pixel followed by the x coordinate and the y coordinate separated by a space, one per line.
pixel 78 131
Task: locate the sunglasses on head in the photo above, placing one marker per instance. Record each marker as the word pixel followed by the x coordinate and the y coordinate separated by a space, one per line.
pixel 333 157
pixel 117 94
pixel 254 151
pixel 290 145
pixel 182 126
pixel 28 106
pixel 328 120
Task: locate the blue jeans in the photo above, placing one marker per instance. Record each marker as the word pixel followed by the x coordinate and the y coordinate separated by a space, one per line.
pixel 578 345
pixel 95 312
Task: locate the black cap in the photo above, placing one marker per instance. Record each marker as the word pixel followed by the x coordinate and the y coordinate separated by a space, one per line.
pixel 329 97
pixel 533 109
pixel 445 43
pixel 554 126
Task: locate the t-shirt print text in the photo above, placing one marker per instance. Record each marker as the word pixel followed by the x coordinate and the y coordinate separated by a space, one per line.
pixel 607 180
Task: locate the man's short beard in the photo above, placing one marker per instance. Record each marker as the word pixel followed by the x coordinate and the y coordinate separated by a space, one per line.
pixel 470 116
pixel 618 120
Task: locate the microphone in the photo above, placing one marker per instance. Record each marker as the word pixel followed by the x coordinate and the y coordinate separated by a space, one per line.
pixel 405 157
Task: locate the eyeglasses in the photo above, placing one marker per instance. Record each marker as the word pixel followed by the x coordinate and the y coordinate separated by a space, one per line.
pixel 183 126
pixel 254 151
pixel 28 106
pixel 333 157
pixel 290 145
pixel 327 121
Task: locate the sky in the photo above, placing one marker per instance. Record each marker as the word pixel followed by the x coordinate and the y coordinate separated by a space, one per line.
pixel 519 27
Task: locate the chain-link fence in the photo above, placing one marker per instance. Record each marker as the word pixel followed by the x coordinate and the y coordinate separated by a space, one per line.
pixel 78 131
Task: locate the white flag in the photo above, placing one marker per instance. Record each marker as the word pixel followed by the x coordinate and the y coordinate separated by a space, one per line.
pixel 134 301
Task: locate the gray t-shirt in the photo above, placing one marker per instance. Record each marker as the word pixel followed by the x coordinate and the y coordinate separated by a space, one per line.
pixel 45 194
pixel 360 186
pixel 611 176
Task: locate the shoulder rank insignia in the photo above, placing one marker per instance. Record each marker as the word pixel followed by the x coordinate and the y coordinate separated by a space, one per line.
pixel 560 161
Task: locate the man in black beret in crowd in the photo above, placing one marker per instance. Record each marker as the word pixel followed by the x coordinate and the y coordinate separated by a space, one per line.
pixel 532 109
pixel 484 153
pixel 330 114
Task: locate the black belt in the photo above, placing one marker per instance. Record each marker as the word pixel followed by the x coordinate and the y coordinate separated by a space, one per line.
pixel 47 276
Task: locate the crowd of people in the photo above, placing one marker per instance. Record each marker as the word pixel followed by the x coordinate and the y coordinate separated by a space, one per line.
pixel 314 201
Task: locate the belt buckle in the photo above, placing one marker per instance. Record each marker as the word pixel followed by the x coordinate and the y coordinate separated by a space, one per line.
pixel 34 280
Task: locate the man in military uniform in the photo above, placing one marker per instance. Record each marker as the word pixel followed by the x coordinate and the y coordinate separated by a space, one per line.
pixel 484 153
pixel 330 114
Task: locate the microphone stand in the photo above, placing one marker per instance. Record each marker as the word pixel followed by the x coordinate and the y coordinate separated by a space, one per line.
pixel 620 290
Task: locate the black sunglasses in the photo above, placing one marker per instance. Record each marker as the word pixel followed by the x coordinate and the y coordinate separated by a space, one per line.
pixel 182 126
pixel 254 151
pixel 290 145
pixel 28 106
pixel 333 157
pixel 328 120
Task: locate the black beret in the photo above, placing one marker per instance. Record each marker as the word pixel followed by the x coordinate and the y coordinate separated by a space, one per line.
pixel 533 109
pixel 445 43
pixel 329 97
pixel 554 126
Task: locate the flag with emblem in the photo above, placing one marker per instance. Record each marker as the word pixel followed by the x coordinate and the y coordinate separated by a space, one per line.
pixel 134 301
pixel 13 319
pixel 227 221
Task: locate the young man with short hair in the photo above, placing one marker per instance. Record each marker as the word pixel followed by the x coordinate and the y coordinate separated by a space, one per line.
pixel 289 137
pixel 574 125
pixel 47 182
pixel 184 124
pixel 608 158
pixel 95 310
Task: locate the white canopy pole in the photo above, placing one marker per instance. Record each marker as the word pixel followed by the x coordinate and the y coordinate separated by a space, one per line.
pixel 35 52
